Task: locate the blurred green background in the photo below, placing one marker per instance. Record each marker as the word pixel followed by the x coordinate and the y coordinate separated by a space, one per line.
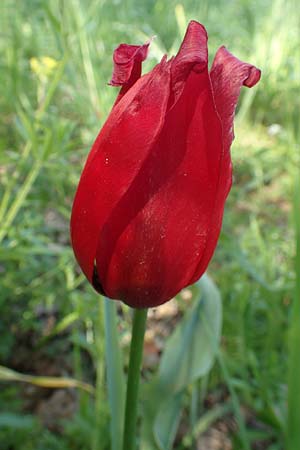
pixel 56 60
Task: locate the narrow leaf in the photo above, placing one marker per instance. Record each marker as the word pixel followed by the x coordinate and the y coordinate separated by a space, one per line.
pixel 115 375
pixel 293 421
pixel 7 374
pixel 188 355
pixel 167 421
pixel 190 351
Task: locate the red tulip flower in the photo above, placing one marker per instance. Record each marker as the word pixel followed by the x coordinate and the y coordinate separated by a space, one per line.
pixel 148 209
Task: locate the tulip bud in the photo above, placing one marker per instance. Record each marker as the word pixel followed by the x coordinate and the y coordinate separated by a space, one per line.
pixel 149 205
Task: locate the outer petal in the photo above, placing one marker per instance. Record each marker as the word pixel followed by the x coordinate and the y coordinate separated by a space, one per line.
pixel 228 74
pixel 128 66
pixel 192 55
pixel 116 157
pixel 150 245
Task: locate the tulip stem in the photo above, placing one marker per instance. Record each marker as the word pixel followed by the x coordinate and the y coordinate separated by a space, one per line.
pixel 133 380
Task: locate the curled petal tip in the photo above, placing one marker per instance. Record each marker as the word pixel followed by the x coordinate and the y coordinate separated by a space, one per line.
pixel 253 77
pixel 224 60
pixel 125 53
pixel 127 59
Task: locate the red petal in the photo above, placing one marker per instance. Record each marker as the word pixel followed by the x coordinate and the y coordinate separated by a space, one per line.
pixel 151 244
pixel 128 66
pixel 115 159
pixel 228 74
pixel 191 55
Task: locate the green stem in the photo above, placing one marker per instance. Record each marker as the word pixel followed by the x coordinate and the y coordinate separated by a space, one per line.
pixel 135 361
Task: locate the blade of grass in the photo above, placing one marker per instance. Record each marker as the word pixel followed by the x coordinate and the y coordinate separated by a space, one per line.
pixel 37 165
pixel 99 365
pixel 293 430
pixel 7 374
pixel 52 88
pixel 115 375
pixel 19 200
pixel 13 180
pixel 235 403
pixel 86 56
pixel 202 424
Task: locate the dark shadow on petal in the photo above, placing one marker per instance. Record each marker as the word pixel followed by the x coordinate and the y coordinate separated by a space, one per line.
pixel 96 282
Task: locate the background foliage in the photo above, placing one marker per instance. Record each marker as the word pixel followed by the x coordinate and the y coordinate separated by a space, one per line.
pixel 54 68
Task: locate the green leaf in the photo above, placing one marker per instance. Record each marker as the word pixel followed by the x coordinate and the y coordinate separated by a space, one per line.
pixel 16 421
pixel 7 374
pixel 190 351
pixel 189 354
pixel 167 421
pixel 115 375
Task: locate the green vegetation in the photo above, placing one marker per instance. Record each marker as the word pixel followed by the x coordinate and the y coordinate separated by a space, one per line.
pixel 56 60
